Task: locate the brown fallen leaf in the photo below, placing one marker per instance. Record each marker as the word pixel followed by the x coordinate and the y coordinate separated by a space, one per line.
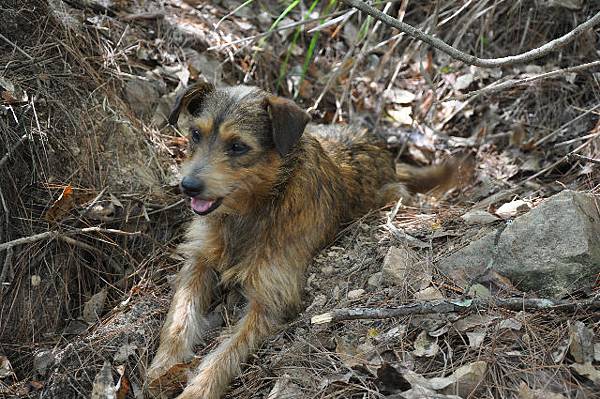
pixel 62 206
pixel 123 386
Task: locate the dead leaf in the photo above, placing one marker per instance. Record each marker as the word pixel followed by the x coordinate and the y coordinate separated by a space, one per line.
pixel 355 294
pixel 479 291
pixel 399 96
pixel 104 387
pixel 35 280
pixel 393 333
pixel 588 371
pixel 175 378
pixel 353 356
pixel 123 386
pixel 425 346
pixel 285 389
pixel 582 346
pixel 402 266
pixel 511 324
pixel 527 393
pixel 61 207
pixel 463 381
pixel 92 309
pixel 514 208
pixel 568 4
pixel 475 338
pixel 474 320
pixel 5 367
pixel 428 294
pixel 464 81
pixel 401 115
pixel 559 354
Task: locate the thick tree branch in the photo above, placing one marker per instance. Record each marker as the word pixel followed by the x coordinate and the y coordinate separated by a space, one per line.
pixel 448 306
pixel 470 59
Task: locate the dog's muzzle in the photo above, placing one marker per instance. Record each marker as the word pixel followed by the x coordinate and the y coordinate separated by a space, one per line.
pixel 194 188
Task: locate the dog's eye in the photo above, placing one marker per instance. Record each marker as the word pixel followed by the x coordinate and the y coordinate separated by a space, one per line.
pixel 238 148
pixel 196 135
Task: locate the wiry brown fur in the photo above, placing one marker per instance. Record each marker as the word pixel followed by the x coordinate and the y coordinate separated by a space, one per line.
pixel 282 202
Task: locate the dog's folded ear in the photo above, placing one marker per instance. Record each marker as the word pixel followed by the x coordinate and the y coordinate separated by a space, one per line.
pixel 288 121
pixel 191 98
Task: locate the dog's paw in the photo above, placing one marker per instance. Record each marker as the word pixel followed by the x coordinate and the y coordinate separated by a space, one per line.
pixel 162 379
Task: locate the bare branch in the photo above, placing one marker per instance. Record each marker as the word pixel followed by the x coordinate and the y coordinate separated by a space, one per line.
pixel 52 234
pixel 512 83
pixel 449 306
pixel 470 59
pixel 19 49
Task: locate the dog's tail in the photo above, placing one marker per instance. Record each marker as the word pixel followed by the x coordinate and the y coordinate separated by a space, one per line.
pixel 435 179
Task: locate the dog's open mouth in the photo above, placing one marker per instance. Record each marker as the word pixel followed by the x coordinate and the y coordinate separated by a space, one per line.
pixel 203 206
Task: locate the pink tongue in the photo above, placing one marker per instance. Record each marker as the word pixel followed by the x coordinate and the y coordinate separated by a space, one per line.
pixel 201 205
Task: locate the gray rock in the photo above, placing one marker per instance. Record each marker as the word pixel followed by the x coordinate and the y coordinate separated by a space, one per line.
pixel 375 280
pixel 208 67
pixel 402 266
pixel 554 248
pixel 142 96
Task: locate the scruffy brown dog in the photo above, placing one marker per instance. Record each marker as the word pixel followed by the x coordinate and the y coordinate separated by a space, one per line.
pixel 268 197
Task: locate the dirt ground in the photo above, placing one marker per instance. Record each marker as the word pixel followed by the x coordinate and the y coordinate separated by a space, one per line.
pixel 84 91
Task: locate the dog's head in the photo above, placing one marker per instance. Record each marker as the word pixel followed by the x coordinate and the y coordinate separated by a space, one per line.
pixel 238 139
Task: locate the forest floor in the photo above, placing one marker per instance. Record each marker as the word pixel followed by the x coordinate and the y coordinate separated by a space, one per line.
pixel 83 102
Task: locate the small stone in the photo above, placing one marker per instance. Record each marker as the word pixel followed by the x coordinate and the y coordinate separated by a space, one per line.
pixel 355 294
pixel 42 360
pixel 478 216
pixel 401 266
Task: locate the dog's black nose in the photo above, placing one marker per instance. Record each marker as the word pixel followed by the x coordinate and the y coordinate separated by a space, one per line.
pixel 191 186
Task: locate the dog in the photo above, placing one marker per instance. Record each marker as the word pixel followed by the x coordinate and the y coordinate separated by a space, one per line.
pixel 268 196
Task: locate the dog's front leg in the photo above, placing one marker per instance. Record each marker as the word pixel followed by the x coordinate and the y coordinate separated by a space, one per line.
pixel 185 321
pixel 223 364
pixel 271 293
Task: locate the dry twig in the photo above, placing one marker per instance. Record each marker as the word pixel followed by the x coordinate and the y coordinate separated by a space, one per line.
pixel 471 59
pixel 513 83
pixel 52 234
pixel 19 49
pixel 449 306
